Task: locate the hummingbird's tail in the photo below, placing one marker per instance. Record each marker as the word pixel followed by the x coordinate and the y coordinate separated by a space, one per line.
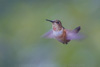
pixel 77 29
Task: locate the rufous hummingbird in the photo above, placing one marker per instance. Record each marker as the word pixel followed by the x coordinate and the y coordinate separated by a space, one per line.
pixel 61 34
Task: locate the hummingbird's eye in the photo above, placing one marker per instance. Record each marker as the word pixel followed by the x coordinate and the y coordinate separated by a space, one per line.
pixel 57 22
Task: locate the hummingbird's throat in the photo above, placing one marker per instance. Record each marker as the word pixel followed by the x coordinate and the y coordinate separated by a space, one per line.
pixel 54 28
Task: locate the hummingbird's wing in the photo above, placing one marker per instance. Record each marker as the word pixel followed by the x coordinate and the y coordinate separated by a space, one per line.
pixel 74 35
pixel 49 34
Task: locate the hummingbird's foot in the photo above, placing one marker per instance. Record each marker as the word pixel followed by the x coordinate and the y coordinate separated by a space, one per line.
pixel 63 42
pixel 66 43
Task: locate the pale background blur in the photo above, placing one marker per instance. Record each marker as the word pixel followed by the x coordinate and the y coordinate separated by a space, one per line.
pixel 22 23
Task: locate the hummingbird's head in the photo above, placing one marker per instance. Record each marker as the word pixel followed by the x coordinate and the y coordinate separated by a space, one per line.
pixel 56 24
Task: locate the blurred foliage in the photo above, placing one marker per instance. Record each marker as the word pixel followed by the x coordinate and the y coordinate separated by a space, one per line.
pixel 22 23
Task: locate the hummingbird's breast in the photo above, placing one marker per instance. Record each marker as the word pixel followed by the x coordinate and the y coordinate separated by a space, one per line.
pixel 60 35
pixel 57 33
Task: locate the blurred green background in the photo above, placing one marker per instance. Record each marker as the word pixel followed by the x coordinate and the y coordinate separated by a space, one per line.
pixel 22 23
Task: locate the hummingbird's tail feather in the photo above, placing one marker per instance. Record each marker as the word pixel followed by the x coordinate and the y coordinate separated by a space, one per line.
pixel 77 29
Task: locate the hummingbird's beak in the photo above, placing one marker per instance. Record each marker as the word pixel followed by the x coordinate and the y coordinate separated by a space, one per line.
pixel 49 20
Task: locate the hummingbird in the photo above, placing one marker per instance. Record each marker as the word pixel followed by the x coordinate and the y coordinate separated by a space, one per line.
pixel 61 34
